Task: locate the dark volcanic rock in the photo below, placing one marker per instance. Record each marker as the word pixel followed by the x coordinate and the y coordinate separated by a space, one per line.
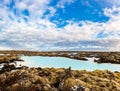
pixel 109 57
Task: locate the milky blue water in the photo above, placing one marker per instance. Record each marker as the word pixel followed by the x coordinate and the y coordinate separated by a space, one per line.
pixel 62 62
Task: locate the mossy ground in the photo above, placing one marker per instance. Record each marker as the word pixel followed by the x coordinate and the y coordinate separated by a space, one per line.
pixel 51 79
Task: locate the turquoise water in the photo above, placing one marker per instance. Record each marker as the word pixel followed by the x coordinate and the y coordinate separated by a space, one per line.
pixel 61 62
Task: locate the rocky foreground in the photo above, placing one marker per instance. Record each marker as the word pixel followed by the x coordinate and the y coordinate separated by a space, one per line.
pixel 52 79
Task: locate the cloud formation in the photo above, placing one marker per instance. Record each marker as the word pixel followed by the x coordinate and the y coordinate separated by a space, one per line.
pixel 22 26
pixel 61 3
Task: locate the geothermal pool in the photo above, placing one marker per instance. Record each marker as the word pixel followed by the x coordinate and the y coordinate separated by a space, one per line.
pixel 62 62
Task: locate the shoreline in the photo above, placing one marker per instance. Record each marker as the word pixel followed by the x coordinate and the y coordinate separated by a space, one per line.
pixel 104 57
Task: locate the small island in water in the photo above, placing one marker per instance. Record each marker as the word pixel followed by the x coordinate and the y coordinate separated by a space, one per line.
pixel 20 77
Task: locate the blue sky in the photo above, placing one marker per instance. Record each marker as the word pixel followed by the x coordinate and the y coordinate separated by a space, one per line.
pixel 60 25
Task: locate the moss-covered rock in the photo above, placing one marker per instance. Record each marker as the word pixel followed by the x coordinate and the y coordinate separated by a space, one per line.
pixel 30 79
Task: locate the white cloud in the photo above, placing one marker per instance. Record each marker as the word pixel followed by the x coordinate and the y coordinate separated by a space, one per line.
pixel 113 12
pixel 35 8
pixel 41 34
pixel 61 3
pixel 21 5
pixel 112 27
pixel 5 48
pixel 108 3
pixel 114 2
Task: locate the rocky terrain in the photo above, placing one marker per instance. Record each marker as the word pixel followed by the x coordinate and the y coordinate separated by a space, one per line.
pixel 8 58
pixel 108 57
pixel 22 78
pixel 104 57
pixel 52 79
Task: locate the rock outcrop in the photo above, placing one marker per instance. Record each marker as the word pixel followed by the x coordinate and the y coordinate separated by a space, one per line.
pixel 60 79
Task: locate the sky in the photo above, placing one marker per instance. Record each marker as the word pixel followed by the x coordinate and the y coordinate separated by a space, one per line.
pixel 47 25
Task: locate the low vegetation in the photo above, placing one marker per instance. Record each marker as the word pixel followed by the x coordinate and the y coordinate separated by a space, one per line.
pixel 51 79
